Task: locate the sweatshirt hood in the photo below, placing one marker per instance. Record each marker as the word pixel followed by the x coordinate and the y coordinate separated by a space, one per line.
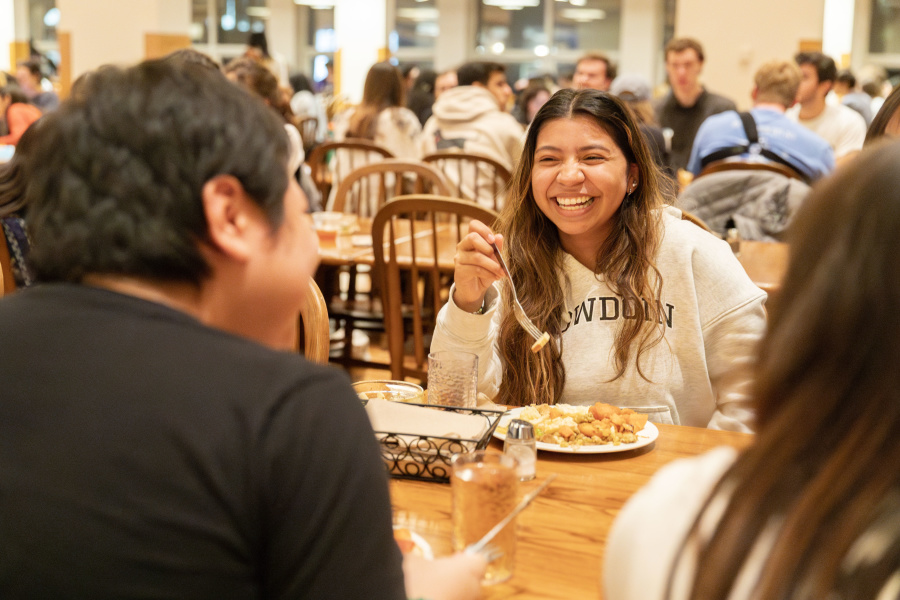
pixel 464 103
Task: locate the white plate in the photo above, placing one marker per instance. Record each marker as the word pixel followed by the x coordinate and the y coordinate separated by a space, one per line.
pixel 645 436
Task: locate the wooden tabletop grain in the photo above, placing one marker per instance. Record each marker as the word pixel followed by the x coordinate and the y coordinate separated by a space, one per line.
pixel 561 536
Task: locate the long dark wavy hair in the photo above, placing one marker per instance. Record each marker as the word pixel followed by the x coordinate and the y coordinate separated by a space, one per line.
pixel 823 468
pixel 626 259
pixel 383 89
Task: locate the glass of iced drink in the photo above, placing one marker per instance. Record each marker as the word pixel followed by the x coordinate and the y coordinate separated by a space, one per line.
pixel 485 488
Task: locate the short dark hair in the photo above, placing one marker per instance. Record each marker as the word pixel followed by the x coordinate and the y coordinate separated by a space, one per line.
pixel 190 55
pixel 119 171
pixel 258 39
pixel 846 77
pixel 33 66
pixel 15 93
pixel 478 72
pixel 682 44
pixel 611 69
pixel 824 65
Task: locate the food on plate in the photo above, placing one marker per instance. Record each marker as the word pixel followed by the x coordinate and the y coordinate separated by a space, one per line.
pixel 569 426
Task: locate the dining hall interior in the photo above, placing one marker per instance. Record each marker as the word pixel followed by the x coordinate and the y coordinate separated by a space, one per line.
pixel 449 299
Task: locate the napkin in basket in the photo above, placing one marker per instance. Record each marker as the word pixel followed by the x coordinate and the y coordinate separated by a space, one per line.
pixel 395 417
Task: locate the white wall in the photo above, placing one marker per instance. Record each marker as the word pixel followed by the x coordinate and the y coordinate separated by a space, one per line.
pixel 739 36
pixel 639 39
pixel 106 32
pixel 361 27
pixel 281 31
pixel 7 32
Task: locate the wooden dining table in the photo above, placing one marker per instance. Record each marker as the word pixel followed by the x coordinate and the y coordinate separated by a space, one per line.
pixel 561 537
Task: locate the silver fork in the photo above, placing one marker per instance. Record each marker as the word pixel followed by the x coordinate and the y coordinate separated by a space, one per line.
pixel 489 552
pixel 521 317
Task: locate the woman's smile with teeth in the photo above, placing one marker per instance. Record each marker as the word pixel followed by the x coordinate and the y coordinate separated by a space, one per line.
pixel 574 202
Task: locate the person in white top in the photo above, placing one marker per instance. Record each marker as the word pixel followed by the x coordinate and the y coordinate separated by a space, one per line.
pixel 382 117
pixel 812 508
pixel 644 310
pixel 841 126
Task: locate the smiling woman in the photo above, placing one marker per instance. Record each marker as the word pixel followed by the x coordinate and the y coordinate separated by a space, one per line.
pixel 645 310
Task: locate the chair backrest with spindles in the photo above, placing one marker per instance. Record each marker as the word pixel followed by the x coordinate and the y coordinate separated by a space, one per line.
pixel 330 162
pixel 414 238
pixel 474 177
pixel 368 188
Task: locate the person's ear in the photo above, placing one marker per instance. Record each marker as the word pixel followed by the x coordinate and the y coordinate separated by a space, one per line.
pixel 634 177
pixel 232 218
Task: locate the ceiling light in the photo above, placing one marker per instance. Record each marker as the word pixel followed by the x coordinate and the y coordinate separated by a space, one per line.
pixel 511 4
pixel 418 14
pixel 541 50
pixel 260 12
pixel 582 15
pixel 498 47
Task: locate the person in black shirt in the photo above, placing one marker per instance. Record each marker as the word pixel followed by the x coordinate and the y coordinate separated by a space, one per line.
pixel 154 443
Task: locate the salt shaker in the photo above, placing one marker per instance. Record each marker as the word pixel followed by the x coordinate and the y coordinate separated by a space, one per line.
pixel 521 445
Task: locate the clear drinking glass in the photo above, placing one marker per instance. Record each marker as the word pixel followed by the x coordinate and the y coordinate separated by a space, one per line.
pixel 453 378
pixel 485 489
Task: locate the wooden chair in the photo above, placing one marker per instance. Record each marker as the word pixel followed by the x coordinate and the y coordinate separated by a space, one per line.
pixel 363 192
pixel 308 127
pixel 474 177
pixel 330 162
pixel 313 327
pixel 686 216
pixel 7 281
pixel 752 165
pixel 414 240
pixel 366 189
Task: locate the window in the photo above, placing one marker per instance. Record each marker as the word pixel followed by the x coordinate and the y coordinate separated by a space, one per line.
pixel 515 33
pixel 584 25
pixel 221 28
pixel 884 33
pixel 416 24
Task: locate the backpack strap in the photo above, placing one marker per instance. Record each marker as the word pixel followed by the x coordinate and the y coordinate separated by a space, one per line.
pixel 752 147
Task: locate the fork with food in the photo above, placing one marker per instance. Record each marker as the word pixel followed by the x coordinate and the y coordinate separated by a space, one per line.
pixel 479 263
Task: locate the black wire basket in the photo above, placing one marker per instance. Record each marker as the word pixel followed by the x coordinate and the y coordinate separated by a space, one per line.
pixel 425 457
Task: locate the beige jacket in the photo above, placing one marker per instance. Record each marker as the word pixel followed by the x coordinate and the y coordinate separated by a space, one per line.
pixel 467 118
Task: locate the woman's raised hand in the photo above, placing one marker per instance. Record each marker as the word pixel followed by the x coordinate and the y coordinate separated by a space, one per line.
pixel 476 267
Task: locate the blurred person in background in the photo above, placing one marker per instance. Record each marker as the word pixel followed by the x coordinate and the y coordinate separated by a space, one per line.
pixel 17 112
pixel 30 79
pixel 532 98
pixel 445 81
pixel 858 100
pixel 305 103
pixel 420 98
pixel 258 49
pixel 251 75
pixel 810 509
pixel 841 126
pixel 472 118
pixel 593 71
pixel 13 209
pixel 688 102
pixel 634 90
pixel 382 116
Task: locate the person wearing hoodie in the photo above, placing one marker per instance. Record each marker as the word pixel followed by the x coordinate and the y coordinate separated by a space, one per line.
pixel 472 118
